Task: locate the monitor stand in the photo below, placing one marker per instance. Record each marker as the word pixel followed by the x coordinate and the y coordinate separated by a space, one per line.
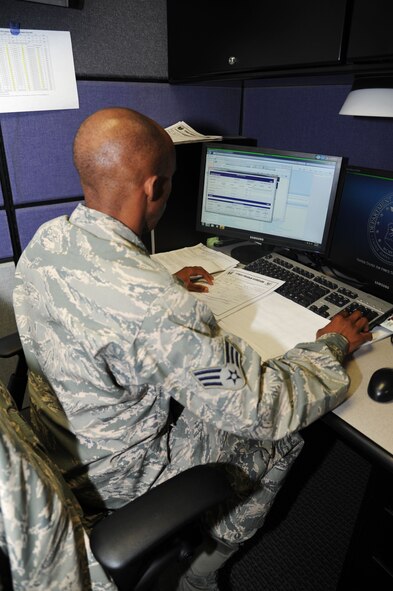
pixel 247 253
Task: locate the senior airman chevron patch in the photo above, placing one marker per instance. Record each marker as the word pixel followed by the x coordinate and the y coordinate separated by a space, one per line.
pixel 229 376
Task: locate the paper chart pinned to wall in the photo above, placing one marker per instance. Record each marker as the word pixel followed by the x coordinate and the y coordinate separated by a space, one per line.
pixel 37 71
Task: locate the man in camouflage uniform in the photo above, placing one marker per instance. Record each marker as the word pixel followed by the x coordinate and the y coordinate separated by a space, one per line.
pixel 111 337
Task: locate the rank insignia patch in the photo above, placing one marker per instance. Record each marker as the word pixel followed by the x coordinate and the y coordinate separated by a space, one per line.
pixel 229 376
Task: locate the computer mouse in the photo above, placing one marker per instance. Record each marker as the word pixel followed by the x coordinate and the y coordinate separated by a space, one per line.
pixel 380 386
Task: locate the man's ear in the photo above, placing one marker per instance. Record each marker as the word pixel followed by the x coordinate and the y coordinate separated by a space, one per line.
pixel 154 187
pixel 148 187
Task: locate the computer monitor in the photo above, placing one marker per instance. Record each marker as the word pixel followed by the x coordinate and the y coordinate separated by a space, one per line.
pixel 267 196
pixel 362 237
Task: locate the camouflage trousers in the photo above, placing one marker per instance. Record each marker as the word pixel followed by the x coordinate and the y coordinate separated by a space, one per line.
pixel 256 470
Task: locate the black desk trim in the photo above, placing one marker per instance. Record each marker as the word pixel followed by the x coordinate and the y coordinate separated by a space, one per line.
pixel 362 444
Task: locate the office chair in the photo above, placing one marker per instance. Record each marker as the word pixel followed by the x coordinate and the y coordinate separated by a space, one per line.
pixel 10 346
pixel 126 550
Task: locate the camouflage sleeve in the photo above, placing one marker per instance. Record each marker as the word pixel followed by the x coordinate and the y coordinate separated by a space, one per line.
pixel 222 380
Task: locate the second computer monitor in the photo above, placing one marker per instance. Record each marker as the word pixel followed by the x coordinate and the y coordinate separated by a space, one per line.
pixel 268 196
pixel 362 239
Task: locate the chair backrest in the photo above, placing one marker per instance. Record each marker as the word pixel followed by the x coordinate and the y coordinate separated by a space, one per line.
pixel 42 537
pixel 10 346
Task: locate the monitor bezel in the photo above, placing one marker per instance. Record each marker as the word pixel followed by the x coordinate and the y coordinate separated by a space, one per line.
pixel 337 263
pixel 279 242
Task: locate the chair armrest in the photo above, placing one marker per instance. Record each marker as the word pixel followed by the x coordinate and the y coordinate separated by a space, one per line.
pixel 10 345
pixel 124 538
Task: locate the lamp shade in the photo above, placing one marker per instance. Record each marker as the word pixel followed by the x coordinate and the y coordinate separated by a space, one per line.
pixel 370 97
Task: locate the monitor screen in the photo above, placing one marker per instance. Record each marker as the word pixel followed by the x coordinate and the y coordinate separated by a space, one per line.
pixel 362 238
pixel 268 196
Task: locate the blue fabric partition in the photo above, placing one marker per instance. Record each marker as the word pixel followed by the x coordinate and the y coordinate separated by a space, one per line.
pixel 38 145
pixel 30 218
pixel 5 242
pixel 305 118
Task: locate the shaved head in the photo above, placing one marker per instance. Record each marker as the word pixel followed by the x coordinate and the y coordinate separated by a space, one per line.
pixel 116 151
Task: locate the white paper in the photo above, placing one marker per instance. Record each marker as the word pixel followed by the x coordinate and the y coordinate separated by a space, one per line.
pixel 388 324
pixel 36 71
pixel 235 289
pixel 273 325
pixel 379 332
pixel 270 323
pixel 182 133
pixel 195 256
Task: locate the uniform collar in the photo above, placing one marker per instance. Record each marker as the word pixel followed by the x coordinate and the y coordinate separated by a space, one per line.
pixel 104 226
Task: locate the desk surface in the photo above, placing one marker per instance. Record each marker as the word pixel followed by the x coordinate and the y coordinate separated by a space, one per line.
pixel 367 419
pixel 372 419
pixel 267 326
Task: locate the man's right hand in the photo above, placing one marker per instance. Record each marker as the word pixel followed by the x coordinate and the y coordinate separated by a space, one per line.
pixel 354 327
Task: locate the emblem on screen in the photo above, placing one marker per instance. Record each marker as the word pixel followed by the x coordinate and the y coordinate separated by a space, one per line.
pixel 380 230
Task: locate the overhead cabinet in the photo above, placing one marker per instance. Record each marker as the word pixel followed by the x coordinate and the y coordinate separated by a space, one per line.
pixel 217 38
pixel 370 33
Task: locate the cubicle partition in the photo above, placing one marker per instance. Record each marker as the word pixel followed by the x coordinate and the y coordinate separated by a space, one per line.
pixel 305 117
pixel 6 248
pixel 38 179
pixel 38 146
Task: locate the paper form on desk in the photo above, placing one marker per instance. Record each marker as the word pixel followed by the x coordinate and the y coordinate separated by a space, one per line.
pixel 273 325
pixel 192 256
pixel 388 324
pixel 235 289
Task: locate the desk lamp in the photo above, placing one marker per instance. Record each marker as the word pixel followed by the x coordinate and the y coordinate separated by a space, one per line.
pixel 371 96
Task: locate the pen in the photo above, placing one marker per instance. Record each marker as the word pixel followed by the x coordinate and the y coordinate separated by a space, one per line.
pixel 373 323
pixel 194 278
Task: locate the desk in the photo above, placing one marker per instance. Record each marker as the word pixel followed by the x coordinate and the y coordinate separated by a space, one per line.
pixel 367 426
pixel 366 423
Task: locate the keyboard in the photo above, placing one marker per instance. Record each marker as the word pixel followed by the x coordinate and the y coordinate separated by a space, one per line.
pixel 317 291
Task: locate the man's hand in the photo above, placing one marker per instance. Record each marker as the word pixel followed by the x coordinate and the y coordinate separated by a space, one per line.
pixel 354 327
pixel 190 276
